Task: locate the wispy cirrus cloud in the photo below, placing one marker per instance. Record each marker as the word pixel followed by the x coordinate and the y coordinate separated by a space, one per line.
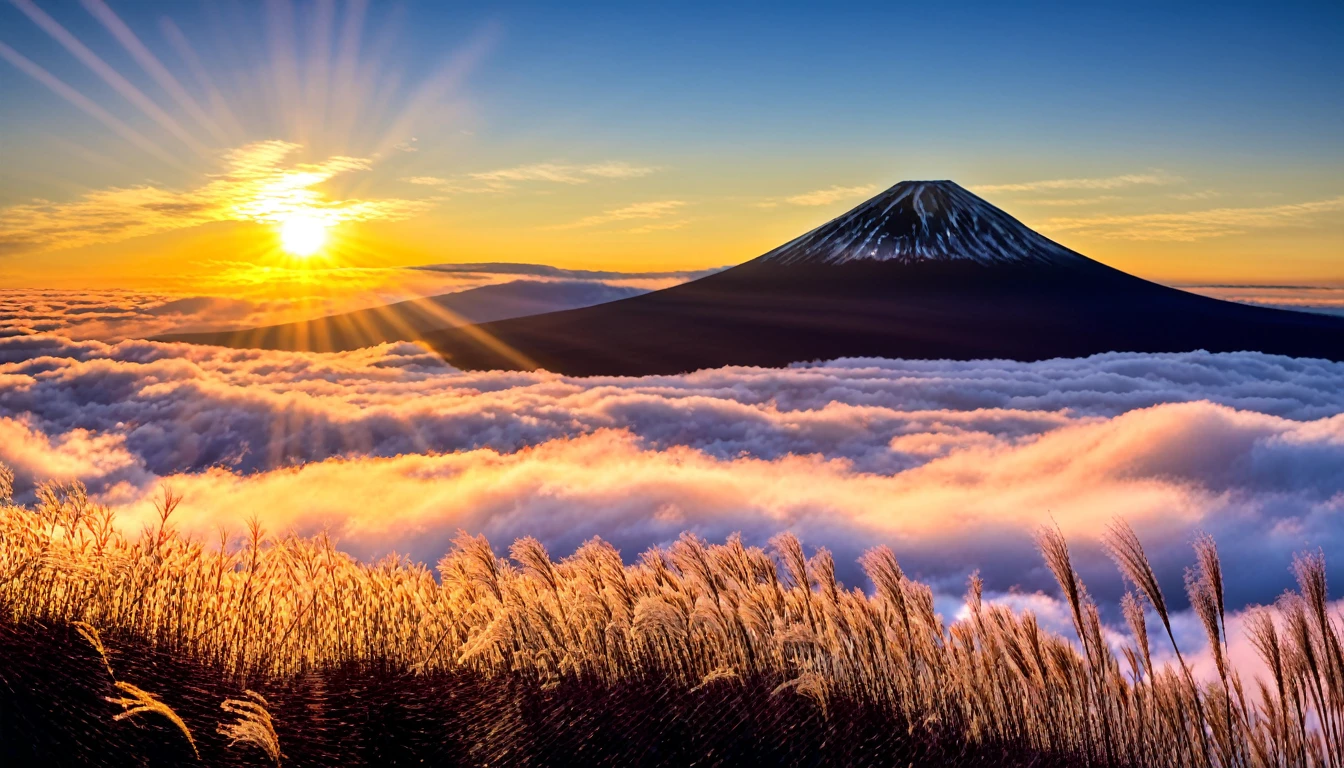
pixel 826 196
pixel 426 181
pixel 659 227
pixel 563 173
pixel 1203 194
pixel 656 209
pixel 1075 202
pixel 1156 178
pixel 504 179
pixel 1189 226
pixel 258 183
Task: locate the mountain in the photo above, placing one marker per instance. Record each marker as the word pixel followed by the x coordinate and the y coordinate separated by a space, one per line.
pixel 923 270
pixel 544 270
pixel 411 320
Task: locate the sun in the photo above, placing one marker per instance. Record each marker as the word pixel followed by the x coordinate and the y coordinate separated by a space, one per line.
pixel 303 235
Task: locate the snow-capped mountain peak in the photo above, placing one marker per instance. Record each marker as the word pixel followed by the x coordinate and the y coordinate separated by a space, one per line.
pixel 919 221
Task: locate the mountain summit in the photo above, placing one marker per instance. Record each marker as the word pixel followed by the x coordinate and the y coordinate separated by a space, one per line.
pixel 923 221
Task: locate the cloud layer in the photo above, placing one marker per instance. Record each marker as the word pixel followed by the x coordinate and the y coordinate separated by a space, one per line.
pixel 954 464
pixel 1326 299
pixel 244 296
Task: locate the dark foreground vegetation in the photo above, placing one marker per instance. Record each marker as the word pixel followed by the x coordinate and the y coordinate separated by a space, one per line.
pixel 54 711
pixel 163 650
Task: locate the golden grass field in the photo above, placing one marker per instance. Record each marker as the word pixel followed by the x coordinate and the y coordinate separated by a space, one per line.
pixel 161 649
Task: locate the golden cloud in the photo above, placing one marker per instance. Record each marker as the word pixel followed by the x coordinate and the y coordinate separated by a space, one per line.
pixel 826 196
pixel 656 209
pixel 258 184
pixel 562 173
pixel 1109 182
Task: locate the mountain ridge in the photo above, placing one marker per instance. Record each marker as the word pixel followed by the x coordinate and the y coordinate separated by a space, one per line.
pixel 958 279
pixel 412 319
pixel 923 270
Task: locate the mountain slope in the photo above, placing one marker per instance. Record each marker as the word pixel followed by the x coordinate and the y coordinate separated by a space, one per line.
pixel 411 320
pixel 923 270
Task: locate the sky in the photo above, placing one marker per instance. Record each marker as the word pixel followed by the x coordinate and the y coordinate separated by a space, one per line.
pixel 195 148
pixel 166 162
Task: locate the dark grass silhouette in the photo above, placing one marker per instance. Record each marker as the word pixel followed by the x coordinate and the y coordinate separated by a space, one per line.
pixel 53 713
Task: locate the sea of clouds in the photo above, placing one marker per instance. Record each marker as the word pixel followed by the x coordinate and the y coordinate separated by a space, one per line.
pixel 953 464
pixel 246 296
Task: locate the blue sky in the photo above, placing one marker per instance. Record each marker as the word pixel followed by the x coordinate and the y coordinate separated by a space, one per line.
pixel 741 102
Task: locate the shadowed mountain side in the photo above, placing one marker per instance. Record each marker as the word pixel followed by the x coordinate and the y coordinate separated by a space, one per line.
pixel 770 314
pixel 411 320
pixel 544 270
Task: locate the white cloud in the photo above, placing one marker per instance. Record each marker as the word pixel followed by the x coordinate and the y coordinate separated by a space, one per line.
pixel 953 464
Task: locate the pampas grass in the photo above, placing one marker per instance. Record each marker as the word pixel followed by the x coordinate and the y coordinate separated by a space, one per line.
pixel 252 724
pixel 135 702
pixel 696 619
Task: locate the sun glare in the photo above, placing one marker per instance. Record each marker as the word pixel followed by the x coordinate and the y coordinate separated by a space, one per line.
pixel 303 235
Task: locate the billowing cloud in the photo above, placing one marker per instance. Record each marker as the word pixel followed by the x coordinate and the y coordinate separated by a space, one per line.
pixel 258 183
pixel 1107 182
pixel 117 314
pixel 1190 226
pixel 952 463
